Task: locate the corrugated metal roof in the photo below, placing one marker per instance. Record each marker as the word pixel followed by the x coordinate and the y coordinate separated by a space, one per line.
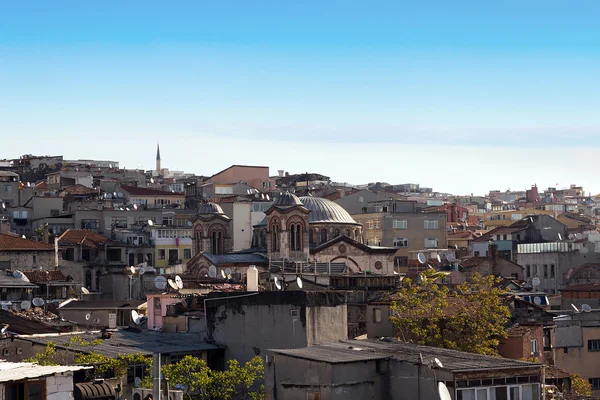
pixel 10 372
pixel 452 360
pixel 9 281
pixel 129 342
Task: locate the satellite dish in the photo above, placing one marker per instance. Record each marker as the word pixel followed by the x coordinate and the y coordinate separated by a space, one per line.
pixel 256 195
pixel 223 275
pixel 38 302
pixel 189 223
pixel 141 270
pixel 135 317
pixel 84 290
pixel 19 275
pixel 4 328
pixel 574 308
pixel 559 236
pixel 267 196
pixel 277 283
pixel 4 205
pixel 537 300
pixel 299 282
pixel 439 259
pixel 178 282
pixel 88 316
pixel 228 271
pixel 151 180
pixel 535 281
pixel 135 207
pixel 137 381
pixel 150 222
pixel 25 305
pixel 262 196
pixel 96 321
pixel 115 195
pixel 421 258
pixel 5 307
pixel 132 269
pixel 443 391
pixel 586 308
pixel 212 271
pixel 23 237
pixel 172 284
pixel 108 195
pixel 160 282
pixel 438 363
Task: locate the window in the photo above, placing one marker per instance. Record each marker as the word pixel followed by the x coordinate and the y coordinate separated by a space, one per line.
pixel 476 253
pixel 261 207
pixel 162 254
pixel 33 390
pixel 432 224
pixel 505 237
pixel 223 189
pixel 534 270
pixel 545 270
pixel 135 371
pixel 323 235
pixel 594 345
pixel 431 242
pixel 552 271
pixel 534 347
pixel 167 221
pixel 527 271
pixel 377 315
pixel 595 383
pixel 373 224
pixel 20 214
pixel 119 222
pixel 400 242
pixel 7 188
pixel 92 224
pixel 400 224
pixel 173 256
pixel 187 254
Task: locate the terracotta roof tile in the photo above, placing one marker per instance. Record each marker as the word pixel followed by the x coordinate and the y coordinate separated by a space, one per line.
pixel 83 237
pixel 142 191
pixel 16 243
pixel 45 276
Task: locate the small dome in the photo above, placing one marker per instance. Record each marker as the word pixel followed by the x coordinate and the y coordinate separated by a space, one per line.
pixel 210 208
pixel 287 199
pixel 323 210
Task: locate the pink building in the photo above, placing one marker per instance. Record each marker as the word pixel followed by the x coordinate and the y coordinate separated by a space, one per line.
pixel 255 176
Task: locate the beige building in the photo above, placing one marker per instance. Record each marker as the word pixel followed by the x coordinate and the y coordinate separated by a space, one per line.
pixel 152 198
pixel 400 224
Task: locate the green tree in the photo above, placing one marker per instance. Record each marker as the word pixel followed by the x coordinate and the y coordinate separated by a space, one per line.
pixel 471 317
pixel 580 386
pixel 113 367
pixel 202 383
pixel 46 357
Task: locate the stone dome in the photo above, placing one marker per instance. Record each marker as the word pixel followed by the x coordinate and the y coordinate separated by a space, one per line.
pixel 210 208
pixel 325 211
pixel 287 199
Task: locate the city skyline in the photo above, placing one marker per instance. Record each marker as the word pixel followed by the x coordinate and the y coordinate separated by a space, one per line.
pixel 457 98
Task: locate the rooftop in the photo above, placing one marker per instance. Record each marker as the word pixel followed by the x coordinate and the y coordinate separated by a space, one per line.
pixel 16 243
pixel 235 258
pixel 142 191
pixel 128 342
pixel 10 372
pixel 362 350
pixel 84 237
pixel 9 281
pixel 101 304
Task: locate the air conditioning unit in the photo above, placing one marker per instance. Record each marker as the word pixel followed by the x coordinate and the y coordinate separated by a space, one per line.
pixel 139 394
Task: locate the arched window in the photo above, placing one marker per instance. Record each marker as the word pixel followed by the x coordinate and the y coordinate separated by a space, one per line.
pixel 311 239
pixel 292 237
pixel 336 233
pixel 262 239
pixel 220 242
pixel 298 237
pixel 275 238
pixel 131 259
pixel 323 235
pixel 88 279
pixel 348 232
pixel 214 243
pixel 199 248
pixel 98 274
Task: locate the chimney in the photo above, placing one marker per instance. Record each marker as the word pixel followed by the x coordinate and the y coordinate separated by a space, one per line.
pixel 493 251
pixel 45 234
pixel 4 227
pixel 280 172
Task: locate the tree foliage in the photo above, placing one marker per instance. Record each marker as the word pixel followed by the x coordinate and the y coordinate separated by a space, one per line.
pixel 471 317
pixel 113 367
pixel 46 357
pixel 199 382
pixel 580 386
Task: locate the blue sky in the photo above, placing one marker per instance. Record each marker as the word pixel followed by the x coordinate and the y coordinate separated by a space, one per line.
pixel 502 95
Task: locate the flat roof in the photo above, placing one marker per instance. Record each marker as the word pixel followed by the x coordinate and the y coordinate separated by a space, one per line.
pixel 363 350
pixel 128 342
pixel 10 372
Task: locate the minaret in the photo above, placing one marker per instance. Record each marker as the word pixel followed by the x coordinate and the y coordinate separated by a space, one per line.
pixel 158 167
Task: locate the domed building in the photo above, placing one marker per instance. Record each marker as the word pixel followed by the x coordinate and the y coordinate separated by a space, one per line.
pixel 211 230
pixel 305 228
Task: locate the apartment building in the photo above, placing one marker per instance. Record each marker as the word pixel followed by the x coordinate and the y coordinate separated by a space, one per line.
pixel 401 224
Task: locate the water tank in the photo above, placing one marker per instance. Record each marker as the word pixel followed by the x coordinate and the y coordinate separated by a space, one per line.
pixel 252 279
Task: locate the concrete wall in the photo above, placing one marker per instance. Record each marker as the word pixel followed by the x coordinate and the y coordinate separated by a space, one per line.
pixel 384 328
pixel 254 176
pixel 358 260
pixel 25 259
pixel 241 223
pixel 59 387
pixel 251 325
pixel 519 347
pixel 578 360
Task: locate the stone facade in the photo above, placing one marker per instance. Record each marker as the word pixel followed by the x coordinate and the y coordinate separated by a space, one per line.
pixel 211 230
pixel 27 259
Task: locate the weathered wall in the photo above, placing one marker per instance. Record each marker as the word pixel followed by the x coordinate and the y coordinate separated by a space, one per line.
pixel 24 260
pixel 291 378
pixel 326 324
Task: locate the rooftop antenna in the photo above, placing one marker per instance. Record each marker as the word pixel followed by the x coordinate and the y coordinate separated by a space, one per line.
pixel 160 282
pixel 586 308
pixel 299 282
pixel 178 282
pixel 575 308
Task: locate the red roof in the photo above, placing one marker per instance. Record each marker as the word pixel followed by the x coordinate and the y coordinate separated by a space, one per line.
pixel 84 237
pixel 16 243
pixel 142 191
pixel 45 276
pixel 587 287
